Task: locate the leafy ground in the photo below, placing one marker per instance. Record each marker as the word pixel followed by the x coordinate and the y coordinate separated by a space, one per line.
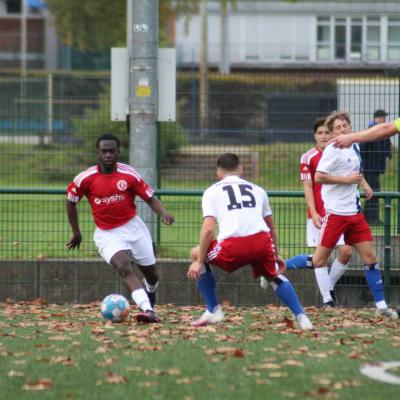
pixel 69 352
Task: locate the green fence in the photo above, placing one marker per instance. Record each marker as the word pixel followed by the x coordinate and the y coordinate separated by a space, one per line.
pixel 49 124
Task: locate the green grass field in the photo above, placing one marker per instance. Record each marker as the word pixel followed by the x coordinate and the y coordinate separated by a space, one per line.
pixel 69 352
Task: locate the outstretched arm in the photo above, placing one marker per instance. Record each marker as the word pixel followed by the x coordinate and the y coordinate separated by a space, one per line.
pixel 377 132
pixel 72 214
pixel 160 210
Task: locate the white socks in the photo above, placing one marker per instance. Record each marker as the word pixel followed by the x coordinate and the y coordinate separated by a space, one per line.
pixel 150 288
pixel 322 276
pixel 140 297
pixel 336 272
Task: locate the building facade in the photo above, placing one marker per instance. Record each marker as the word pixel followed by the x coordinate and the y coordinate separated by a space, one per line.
pixel 267 33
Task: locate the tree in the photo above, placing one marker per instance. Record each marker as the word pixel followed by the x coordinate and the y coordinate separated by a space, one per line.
pixel 97 25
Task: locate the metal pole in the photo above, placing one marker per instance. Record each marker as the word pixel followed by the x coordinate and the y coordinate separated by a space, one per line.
pixel 142 48
pixel 23 39
pixel 224 65
pixel 50 112
pixel 203 69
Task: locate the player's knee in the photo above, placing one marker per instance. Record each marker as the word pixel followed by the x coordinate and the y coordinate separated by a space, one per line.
pixel 124 269
pixel 345 253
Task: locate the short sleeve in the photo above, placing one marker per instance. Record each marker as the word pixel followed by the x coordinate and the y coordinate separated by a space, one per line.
pixel 74 194
pixel 142 189
pixel 328 160
pixel 266 208
pixel 208 205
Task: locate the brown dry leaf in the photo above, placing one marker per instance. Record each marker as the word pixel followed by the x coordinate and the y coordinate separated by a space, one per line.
pixel 41 384
pixel 148 384
pixel 40 301
pixel 293 363
pixel 278 374
pixel 101 350
pixel 188 380
pixel 173 371
pixel 13 373
pixel 115 379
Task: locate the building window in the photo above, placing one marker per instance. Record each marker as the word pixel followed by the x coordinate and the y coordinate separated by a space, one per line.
pixel 323 39
pixel 393 42
pixel 340 38
pixel 373 42
pixel 356 38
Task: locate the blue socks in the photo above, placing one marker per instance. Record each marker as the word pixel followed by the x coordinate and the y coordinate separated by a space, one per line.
pixel 374 279
pixel 285 291
pixel 207 287
pixel 301 261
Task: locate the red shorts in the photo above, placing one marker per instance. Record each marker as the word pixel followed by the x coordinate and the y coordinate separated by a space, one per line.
pixel 256 250
pixel 354 228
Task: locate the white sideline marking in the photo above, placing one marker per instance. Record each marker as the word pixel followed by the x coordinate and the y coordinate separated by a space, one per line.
pixel 378 371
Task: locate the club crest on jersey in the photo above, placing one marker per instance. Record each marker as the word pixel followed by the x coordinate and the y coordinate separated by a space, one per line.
pixel 122 185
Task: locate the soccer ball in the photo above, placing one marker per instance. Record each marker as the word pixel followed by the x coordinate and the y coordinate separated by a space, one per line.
pixel 115 307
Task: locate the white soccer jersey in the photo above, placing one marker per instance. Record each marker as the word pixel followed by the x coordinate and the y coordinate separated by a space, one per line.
pixel 341 199
pixel 239 207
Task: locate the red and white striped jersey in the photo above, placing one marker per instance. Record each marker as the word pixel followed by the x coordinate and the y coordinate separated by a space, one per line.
pixel 308 166
pixel 111 196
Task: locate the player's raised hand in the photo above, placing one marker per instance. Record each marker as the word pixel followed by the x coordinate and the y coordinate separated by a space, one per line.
pixel 167 219
pixel 75 242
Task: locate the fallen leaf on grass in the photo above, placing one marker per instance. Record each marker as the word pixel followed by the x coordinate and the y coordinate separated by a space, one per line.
pixel 115 379
pixel 13 373
pixel 41 384
pixel 188 380
pixel 148 384
pixel 293 363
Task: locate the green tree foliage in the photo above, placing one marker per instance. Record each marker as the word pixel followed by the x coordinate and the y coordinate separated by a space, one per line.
pixel 97 25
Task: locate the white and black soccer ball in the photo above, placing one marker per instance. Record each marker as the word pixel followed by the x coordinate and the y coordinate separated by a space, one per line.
pixel 115 308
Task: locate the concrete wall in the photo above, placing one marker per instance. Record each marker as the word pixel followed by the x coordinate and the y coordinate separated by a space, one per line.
pixel 64 281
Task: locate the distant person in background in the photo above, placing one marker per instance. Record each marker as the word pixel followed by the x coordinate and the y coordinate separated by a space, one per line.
pixel 374 155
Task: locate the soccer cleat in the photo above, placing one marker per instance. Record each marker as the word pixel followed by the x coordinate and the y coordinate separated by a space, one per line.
pixel 387 312
pixel 329 304
pixel 264 283
pixel 304 322
pixel 147 317
pixel 209 318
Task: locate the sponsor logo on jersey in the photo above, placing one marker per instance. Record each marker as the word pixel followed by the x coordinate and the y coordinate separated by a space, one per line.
pixel 115 198
pixel 122 185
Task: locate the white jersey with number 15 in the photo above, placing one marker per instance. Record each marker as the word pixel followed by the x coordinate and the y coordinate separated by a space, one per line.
pixel 239 207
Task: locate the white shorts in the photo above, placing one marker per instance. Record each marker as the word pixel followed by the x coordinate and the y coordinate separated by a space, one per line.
pixel 313 235
pixel 134 237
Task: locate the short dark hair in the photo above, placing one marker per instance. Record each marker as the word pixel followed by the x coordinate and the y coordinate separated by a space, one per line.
pixel 107 136
pixel 318 122
pixel 228 161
